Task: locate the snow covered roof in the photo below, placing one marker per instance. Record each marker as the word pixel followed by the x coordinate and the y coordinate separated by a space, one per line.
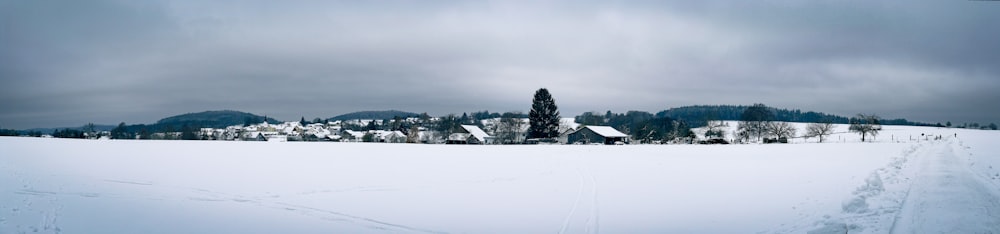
pixel 476 132
pixel 394 134
pixel 606 131
pixel 354 133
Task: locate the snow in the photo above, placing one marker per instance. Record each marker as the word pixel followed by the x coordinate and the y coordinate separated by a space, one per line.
pixel 948 198
pixel 897 184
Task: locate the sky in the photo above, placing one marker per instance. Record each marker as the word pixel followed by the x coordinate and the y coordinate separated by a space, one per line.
pixel 67 63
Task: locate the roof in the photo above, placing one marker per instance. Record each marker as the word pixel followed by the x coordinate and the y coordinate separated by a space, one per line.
pixel 606 131
pixel 476 132
pixel 355 134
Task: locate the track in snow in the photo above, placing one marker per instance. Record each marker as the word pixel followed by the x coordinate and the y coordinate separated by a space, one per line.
pixel 947 197
pixel 928 189
pixel 592 222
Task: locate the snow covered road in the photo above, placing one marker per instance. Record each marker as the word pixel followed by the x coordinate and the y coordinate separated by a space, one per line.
pixel 947 197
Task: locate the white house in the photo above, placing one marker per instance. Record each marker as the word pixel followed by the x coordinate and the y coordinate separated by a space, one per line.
pixel 470 134
pixel 353 136
pixel 394 137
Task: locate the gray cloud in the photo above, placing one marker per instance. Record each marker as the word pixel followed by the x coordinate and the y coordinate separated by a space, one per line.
pixel 68 62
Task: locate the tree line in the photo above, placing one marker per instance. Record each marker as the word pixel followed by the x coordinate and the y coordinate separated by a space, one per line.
pixel 756 122
pixel 698 116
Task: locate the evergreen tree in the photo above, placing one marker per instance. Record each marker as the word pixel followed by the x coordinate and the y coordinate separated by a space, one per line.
pixel 120 132
pixel 10 132
pixel 544 116
pixel 90 130
pixel 368 137
pixel 591 118
pixel 425 118
pixel 249 121
pixel 397 124
pixel 143 134
pixel 188 133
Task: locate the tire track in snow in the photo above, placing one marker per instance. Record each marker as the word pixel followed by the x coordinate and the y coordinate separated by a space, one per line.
pixel 305 210
pixel 359 218
pixel 576 203
pixel 591 224
pixel 595 212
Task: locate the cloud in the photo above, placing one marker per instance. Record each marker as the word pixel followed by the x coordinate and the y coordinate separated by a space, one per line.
pixel 109 61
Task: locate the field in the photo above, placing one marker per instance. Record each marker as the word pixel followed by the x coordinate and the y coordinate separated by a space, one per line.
pixel 903 182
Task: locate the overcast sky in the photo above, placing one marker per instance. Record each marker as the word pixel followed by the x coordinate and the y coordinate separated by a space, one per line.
pixel 66 63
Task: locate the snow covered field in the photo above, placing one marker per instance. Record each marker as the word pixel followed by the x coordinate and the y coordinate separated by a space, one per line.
pixel 901 183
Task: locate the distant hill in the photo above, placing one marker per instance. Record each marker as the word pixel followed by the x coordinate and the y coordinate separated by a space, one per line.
pixel 696 115
pixel 729 112
pixel 50 130
pixel 389 114
pixel 213 119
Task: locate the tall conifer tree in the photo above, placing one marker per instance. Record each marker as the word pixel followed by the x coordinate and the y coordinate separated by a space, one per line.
pixel 544 116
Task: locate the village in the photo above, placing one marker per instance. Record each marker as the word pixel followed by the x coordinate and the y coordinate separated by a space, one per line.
pixel 335 131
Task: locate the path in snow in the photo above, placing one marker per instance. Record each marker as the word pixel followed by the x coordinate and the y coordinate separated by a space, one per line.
pixel 947 197
pixel 928 189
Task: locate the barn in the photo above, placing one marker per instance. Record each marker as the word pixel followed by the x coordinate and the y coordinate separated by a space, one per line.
pixel 597 134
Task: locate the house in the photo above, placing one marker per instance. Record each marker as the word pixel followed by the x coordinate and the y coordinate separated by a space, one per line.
pixel 254 136
pixel 332 137
pixel 458 138
pixel 394 137
pixel 352 136
pixel 470 134
pixel 277 138
pixel 597 134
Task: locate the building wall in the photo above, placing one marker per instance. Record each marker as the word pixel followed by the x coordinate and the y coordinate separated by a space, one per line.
pixel 585 136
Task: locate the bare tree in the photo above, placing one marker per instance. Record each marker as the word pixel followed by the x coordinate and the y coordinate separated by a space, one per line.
pixel 781 129
pixel 509 129
pixel 820 130
pixel 741 135
pixel 413 136
pixel 865 125
pixel 714 129
pixel 754 121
